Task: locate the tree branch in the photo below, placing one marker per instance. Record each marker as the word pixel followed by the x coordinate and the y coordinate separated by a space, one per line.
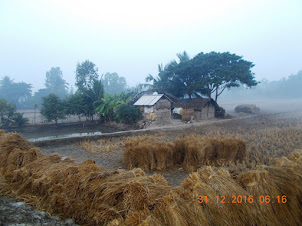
pixel 222 90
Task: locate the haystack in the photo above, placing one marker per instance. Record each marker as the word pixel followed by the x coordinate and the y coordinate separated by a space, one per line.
pixel 82 191
pixel 148 154
pixel 274 182
pixel 94 196
pixel 187 114
pixel 191 152
pixel 247 108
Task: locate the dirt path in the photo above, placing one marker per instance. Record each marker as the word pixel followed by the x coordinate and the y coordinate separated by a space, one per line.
pixel 19 213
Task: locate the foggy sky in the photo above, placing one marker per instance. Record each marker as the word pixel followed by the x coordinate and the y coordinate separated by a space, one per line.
pixel 133 37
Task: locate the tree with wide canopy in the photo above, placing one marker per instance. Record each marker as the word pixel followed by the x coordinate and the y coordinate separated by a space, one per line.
pixel 205 74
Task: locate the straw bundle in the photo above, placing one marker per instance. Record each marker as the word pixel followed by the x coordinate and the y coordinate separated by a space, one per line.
pixel 204 151
pixel 147 154
pixel 187 114
pixel 83 191
pixel 212 182
pixel 14 149
pixel 191 152
pixel 274 182
pixel 92 195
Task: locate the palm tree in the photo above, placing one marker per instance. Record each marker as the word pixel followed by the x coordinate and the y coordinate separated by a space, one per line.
pixel 164 81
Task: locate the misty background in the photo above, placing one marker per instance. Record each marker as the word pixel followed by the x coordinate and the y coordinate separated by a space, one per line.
pixel 130 38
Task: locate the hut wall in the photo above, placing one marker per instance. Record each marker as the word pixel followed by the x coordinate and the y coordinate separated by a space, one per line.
pixel 163 104
pixel 163 116
pixel 208 112
pixel 197 115
pixel 148 109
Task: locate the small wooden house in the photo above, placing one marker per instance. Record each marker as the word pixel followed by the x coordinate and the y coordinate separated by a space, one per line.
pixel 155 107
pixel 197 108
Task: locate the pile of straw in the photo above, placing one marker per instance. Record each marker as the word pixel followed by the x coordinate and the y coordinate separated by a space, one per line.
pixel 187 114
pixel 94 196
pixel 83 191
pixel 191 152
pixel 145 153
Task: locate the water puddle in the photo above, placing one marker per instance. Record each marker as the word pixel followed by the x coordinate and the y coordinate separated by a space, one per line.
pixel 64 136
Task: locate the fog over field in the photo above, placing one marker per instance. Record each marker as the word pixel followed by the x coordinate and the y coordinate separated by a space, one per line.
pixel 133 37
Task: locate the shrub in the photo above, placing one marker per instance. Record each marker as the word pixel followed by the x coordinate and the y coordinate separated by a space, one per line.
pixel 219 112
pixel 128 114
pixel 19 120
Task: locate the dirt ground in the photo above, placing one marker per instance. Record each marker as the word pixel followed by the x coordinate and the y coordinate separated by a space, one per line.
pixel 19 213
pixel 274 135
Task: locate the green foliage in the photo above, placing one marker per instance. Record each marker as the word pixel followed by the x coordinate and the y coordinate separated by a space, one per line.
pixel 86 74
pixel 37 97
pixel 128 114
pixel 9 117
pixel 52 108
pixel 17 93
pixel 19 120
pixel 85 102
pixel 74 105
pixel 55 83
pixel 204 74
pixel 109 104
pixel 95 93
pixel 214 72
pixel 113 83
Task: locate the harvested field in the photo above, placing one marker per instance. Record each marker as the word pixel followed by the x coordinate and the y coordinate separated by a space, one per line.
pixel 90 194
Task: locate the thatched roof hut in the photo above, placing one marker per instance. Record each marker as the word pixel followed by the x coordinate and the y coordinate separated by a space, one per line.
pixel 198 108
pixel 194 103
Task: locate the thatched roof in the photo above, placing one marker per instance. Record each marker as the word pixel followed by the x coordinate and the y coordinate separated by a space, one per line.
pixel 194 103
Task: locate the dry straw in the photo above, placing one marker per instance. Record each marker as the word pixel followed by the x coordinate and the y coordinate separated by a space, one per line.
pixel 187 114
pixel 191 152
pixel 94 196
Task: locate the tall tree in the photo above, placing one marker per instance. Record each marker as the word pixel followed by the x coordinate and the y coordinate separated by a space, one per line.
pixel 55 83
pixel 17 93
pixel 37 97
pixel 86 73
pixel 113 83
pixel 96 92
pixel 204 74
pixel 52 108
pixel 166 81
pixel 85 102
pixel 214 72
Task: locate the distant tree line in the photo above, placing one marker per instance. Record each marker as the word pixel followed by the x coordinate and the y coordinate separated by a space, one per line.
pixel 285 88
pixel 55 100
pixel 206 74
pixel 94 96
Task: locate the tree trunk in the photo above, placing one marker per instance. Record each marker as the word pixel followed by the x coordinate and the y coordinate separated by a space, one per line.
pixel 216 95
pixel 209 94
